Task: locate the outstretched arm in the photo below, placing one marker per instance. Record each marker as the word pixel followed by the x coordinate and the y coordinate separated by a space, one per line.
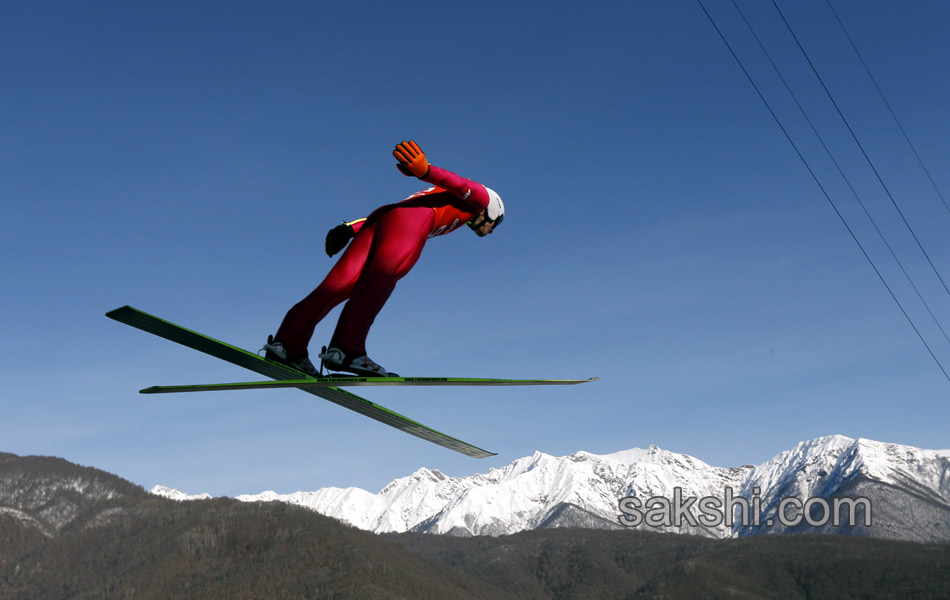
pixel 470 192
pixel 413 162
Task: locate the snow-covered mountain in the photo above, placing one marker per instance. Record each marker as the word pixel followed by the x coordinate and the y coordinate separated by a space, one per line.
pixel 580 490
pixel 909 488
pixel 905 491
pixel 167 492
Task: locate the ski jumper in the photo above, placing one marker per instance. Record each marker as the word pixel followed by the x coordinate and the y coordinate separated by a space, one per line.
pixel 386 246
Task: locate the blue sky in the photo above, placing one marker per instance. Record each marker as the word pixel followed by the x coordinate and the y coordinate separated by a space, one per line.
pixel 662 234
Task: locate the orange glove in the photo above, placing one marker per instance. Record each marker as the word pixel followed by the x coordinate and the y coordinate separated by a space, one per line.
pixel 412 160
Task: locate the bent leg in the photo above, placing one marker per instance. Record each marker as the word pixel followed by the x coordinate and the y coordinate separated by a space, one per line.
pixel 298 325
pixel 400 236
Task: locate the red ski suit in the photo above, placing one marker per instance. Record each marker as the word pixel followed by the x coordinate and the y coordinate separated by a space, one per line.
pixel 386 246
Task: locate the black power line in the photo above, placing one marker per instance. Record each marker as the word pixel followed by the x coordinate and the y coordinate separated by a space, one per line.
pixel 841 172
pixel 861 146
pixel 822 188
pixel 888 105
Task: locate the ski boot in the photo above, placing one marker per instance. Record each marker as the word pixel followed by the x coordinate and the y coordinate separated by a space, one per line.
pixel 276 351
pixel 335 359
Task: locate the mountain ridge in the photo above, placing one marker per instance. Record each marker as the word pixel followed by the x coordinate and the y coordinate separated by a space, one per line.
pixel 583 489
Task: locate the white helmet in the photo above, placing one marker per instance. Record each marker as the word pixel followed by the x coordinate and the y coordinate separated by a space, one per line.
pixel 496 208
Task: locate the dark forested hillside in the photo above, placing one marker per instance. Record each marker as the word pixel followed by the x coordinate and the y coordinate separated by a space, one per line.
pixel 576 563
pixel 227 549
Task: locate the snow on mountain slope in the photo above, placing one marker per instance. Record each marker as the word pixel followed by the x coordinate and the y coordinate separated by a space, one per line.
pixel 398 507
pixel 842 466
pixel 819 466
pixel 166 492
pixel 911 488
pixel 525 494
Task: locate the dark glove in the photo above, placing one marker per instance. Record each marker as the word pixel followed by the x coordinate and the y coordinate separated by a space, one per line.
pixel 338 238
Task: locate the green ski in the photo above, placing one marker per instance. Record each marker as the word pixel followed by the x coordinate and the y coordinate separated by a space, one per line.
pixel 268 368
pixel 344 381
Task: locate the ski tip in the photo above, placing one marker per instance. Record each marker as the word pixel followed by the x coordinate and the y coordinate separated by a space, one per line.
pixel 116 313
